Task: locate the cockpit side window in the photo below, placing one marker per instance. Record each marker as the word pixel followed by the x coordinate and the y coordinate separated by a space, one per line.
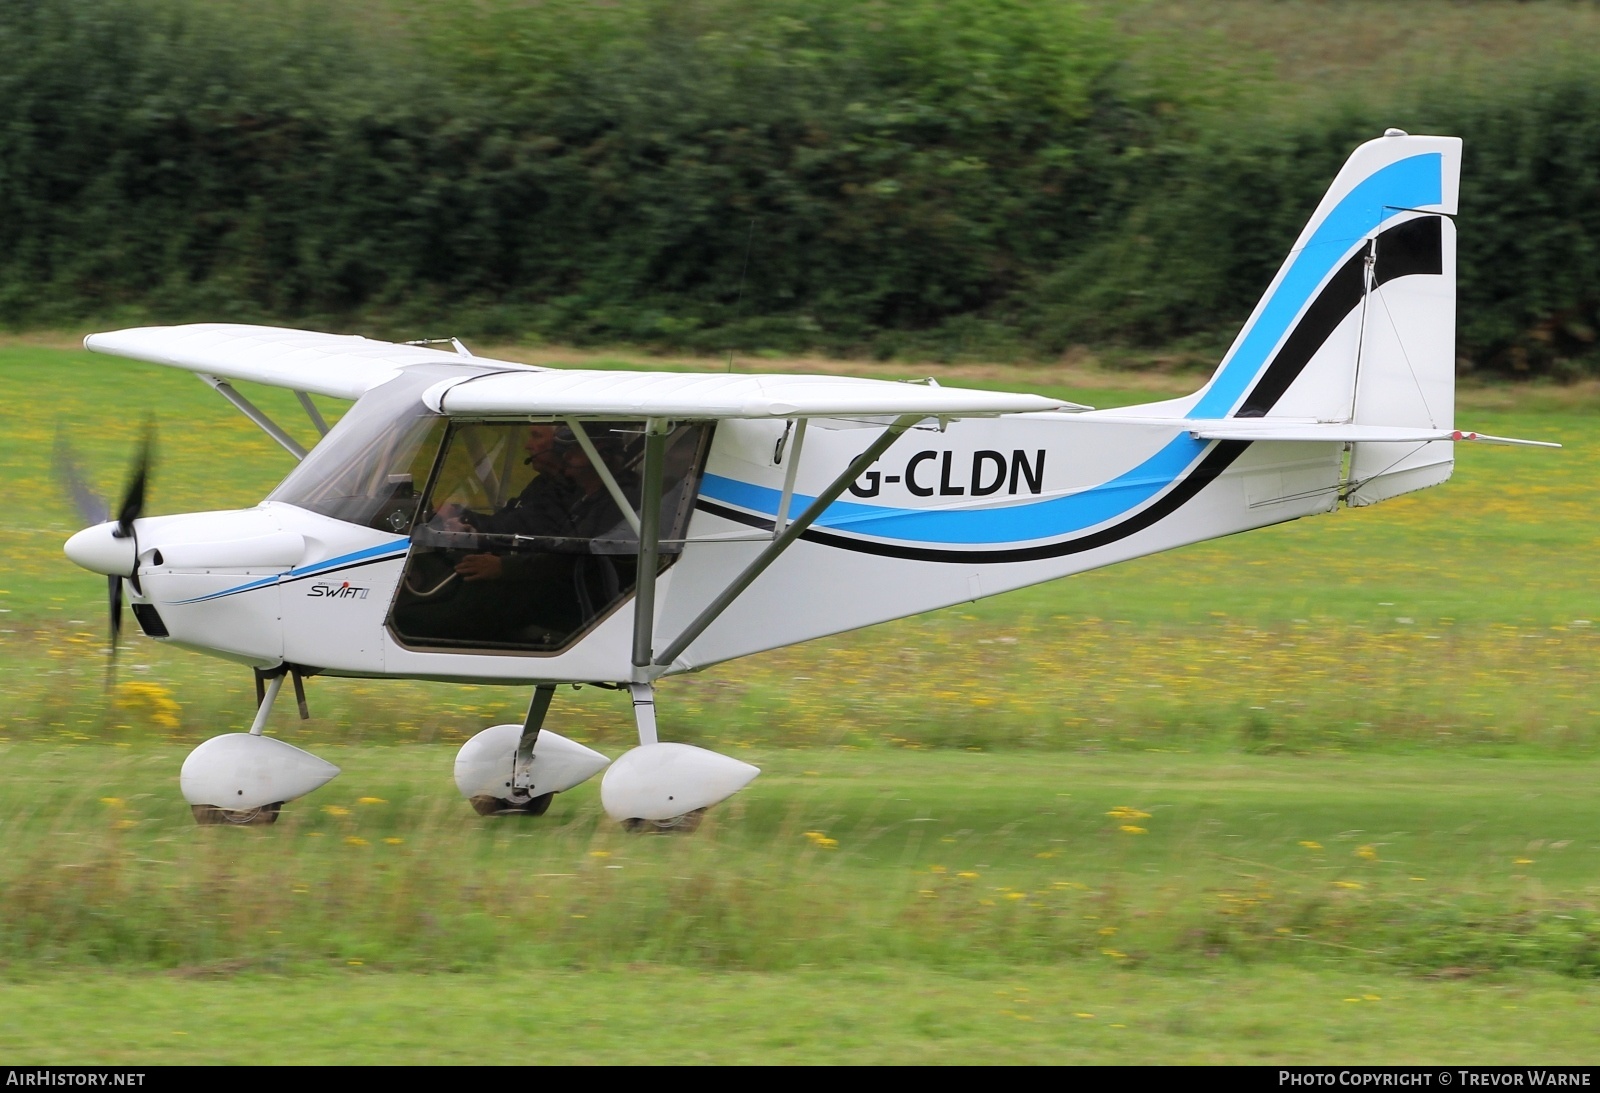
pixel 526 537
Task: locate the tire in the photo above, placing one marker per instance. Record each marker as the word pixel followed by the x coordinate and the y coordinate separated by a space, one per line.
pixel 687 824
pixel 500 806
pixel 211 815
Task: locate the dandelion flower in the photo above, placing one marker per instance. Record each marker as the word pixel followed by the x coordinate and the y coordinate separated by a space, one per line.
pixel 355 840
pixel 335 810
pixel 1134 829
pixel 371 801
pixel 1310 844
pixel 1367 853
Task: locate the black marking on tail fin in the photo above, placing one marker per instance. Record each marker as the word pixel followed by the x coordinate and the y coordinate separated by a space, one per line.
pixel 1417 246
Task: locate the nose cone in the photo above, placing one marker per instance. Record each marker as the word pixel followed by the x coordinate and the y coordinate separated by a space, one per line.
pixel 99 551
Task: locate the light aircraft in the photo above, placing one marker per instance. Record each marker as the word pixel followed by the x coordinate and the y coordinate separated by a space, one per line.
pixel 476 520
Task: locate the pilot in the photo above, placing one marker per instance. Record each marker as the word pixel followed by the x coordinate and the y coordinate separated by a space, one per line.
pixel 524 514
pixel 531 597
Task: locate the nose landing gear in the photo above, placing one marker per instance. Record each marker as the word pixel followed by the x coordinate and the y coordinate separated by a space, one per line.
pixel 516 770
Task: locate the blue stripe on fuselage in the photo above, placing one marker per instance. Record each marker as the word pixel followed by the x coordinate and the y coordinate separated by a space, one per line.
pixel 393 548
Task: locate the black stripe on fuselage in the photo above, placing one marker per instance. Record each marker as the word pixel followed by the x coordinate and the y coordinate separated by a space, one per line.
pixel 1215 462
pixel 1415 246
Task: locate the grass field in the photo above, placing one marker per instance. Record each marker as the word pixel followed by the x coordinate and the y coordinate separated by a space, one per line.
pixel 1322 792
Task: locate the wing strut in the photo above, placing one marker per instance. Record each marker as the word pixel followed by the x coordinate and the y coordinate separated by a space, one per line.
pixel 782 517
pixel 254 413
pixel 649 529
pixel 643 625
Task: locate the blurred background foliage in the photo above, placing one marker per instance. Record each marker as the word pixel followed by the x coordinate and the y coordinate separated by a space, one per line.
pixel 931 178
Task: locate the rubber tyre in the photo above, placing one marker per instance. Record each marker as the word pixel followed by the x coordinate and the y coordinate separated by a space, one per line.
pixel 212 816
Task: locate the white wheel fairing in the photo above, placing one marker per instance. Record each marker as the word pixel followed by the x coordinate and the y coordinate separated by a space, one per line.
pixel 240 772
pixel 484 763
pixel 662 781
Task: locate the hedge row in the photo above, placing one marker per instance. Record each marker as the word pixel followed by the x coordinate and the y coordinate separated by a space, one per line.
pixel 905 175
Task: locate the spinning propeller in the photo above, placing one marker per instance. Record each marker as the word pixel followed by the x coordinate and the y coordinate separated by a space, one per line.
pixel 94 511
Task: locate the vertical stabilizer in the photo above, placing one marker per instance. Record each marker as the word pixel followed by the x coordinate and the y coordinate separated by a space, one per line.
pixel 1359 323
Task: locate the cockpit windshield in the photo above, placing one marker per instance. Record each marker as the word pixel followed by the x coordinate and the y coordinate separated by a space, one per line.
pixel 369 469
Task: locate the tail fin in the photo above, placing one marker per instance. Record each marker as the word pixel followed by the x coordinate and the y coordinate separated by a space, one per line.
pixel 1358 325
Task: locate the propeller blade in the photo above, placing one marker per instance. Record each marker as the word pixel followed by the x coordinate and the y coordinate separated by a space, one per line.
pixel 92 508
pixel 133 497
pixel 114 593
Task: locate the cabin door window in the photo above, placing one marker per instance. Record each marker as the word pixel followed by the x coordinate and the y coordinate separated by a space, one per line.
pixel 522 542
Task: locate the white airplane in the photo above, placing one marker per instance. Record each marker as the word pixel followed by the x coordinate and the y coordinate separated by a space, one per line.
pixel 476 520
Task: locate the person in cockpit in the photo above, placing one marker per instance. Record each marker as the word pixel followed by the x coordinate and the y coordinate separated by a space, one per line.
pixel 511 594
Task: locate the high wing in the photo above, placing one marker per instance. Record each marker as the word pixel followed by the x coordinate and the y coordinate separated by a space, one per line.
pixel 347 366
pixel 337 365
pixel 699 396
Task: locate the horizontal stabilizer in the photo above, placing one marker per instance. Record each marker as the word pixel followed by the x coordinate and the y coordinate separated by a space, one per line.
pixel 1320 432
pixel 1335 432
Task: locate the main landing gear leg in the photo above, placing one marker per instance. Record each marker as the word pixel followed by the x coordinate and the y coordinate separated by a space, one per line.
pixel 244 778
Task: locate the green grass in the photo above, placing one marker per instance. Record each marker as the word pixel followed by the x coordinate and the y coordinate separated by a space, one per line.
pixel 660 1015
pixel 834 858
pixel 1305 52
